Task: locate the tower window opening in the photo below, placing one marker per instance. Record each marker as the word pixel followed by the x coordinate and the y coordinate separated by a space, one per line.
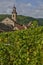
pixel 13 15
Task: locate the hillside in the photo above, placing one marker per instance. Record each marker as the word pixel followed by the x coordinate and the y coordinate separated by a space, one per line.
pixel 40 21
pixel 23 19
pixel 20 19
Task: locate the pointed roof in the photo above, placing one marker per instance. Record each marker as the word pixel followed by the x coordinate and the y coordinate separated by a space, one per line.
pixel 14 6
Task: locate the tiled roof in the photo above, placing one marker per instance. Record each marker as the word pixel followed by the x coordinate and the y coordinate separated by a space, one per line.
pixel 4 27
pixel 19 26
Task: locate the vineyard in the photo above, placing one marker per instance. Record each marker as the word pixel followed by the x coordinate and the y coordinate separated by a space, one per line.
pixel 23 47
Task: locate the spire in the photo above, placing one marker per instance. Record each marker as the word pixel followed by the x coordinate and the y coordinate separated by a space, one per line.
pixel 14 9
pixel 14 14
pixel 14 6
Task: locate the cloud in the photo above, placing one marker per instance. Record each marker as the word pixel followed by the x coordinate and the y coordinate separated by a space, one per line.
pixel 29 4
pixel 33 8
pixel 29 9
pixel 6 6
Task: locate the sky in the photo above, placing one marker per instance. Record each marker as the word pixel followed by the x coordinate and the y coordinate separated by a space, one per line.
pixel 32 8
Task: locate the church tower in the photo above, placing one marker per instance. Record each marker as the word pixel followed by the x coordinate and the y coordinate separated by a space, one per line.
pixel 14 14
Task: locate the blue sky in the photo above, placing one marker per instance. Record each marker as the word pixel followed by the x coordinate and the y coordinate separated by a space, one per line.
pixel 33 8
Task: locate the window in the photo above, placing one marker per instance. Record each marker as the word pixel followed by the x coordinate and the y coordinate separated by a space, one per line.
pixel 6 20
pixel 13 15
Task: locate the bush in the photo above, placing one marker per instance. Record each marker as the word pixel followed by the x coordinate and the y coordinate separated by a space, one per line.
pixel 23 47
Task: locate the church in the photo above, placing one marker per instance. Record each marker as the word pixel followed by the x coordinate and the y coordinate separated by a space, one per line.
pixel 8 24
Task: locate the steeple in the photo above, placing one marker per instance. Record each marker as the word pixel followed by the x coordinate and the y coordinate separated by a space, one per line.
pixel 14 14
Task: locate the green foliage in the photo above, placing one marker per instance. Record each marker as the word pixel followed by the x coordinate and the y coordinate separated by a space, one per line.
pixel 34 24
pixel 23 47
pixel 40 21
pixel 24 19
pixel 3 16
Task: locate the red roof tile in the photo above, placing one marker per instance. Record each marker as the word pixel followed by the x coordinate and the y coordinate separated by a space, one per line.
pixel 19 26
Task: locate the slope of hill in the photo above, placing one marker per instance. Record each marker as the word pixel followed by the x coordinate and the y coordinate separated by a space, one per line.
pixel 23 19
pixel 40 21
pixel 3 16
